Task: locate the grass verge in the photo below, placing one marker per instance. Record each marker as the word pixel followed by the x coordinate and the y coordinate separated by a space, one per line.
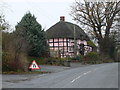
pixel 32 72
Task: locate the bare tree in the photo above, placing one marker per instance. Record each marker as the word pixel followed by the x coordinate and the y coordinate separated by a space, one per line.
pixel 3 24
pixel 99 17
pixel 14 48
pixel 20 44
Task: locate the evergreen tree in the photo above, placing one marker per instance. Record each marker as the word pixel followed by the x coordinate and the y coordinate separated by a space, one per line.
pixel 34 35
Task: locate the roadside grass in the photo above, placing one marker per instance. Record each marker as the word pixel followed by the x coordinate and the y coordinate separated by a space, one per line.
pixel 29 72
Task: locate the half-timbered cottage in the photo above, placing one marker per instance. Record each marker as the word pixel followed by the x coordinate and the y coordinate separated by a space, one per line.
pixel 61 38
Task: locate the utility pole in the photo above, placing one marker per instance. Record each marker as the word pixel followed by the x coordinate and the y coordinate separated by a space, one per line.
pixel 75 42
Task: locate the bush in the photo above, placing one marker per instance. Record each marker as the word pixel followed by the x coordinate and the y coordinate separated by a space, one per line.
pixel 39 60
pixel 56 61
pixel 43 60
pixel 106 59
pixel 118 57
pixel 13 53
pixel 10 64
pixel 77 58
pixel 91 58
pixel 90 43
pixel 7 60
pixel 48 61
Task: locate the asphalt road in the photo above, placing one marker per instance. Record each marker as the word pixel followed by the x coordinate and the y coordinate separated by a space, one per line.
pixel 93 76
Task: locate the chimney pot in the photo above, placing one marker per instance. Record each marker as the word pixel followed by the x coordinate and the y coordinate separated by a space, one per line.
pixel 62 18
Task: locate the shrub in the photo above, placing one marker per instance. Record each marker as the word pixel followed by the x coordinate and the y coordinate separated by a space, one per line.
pixel 90 43
pixel 56 61
pixel 7 60
pixel 48 61
pixel 106 59
pixel 10 64
pixel 39 60
pixel 13 54
pixel 77 58
pixel 91 58
pixel 118 57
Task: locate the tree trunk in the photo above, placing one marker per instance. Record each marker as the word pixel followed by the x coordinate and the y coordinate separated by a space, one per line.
pixel 104 47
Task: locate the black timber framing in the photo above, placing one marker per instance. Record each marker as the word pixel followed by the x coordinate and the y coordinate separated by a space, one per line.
pixel 59 54
pixel 63 47
pixel 67 43
pixel 53 44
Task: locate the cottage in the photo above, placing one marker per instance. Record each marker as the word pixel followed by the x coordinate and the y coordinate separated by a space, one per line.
pixel 66 38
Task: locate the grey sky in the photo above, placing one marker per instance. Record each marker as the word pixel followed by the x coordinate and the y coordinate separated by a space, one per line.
pixel 47 12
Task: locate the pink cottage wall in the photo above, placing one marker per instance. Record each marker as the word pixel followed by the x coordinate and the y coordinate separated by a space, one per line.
pixel 64 47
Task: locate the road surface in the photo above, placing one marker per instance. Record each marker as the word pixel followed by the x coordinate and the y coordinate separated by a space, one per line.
pixel 93 76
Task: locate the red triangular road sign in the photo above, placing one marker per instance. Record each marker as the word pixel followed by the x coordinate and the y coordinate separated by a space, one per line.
pixel 34 65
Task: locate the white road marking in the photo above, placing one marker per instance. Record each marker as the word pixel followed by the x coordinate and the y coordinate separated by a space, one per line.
pixel 80 76
pixel 84 74
pixel 73 80
pixel 87 72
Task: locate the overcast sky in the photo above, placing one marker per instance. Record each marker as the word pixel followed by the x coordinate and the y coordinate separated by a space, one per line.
pixel 47 12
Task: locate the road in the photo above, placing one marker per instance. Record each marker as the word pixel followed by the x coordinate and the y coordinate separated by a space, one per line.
pixel 93 76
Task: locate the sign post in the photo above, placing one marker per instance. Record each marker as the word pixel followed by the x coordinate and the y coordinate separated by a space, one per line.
pixel 34 66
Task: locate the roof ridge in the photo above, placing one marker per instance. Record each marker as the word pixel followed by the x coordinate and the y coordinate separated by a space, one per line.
pixel 63 29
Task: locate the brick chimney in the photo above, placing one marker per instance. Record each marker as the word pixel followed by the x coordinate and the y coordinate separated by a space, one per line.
pixel 62 18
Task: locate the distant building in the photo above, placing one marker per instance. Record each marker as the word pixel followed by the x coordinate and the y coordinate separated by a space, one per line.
pixel 61 37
